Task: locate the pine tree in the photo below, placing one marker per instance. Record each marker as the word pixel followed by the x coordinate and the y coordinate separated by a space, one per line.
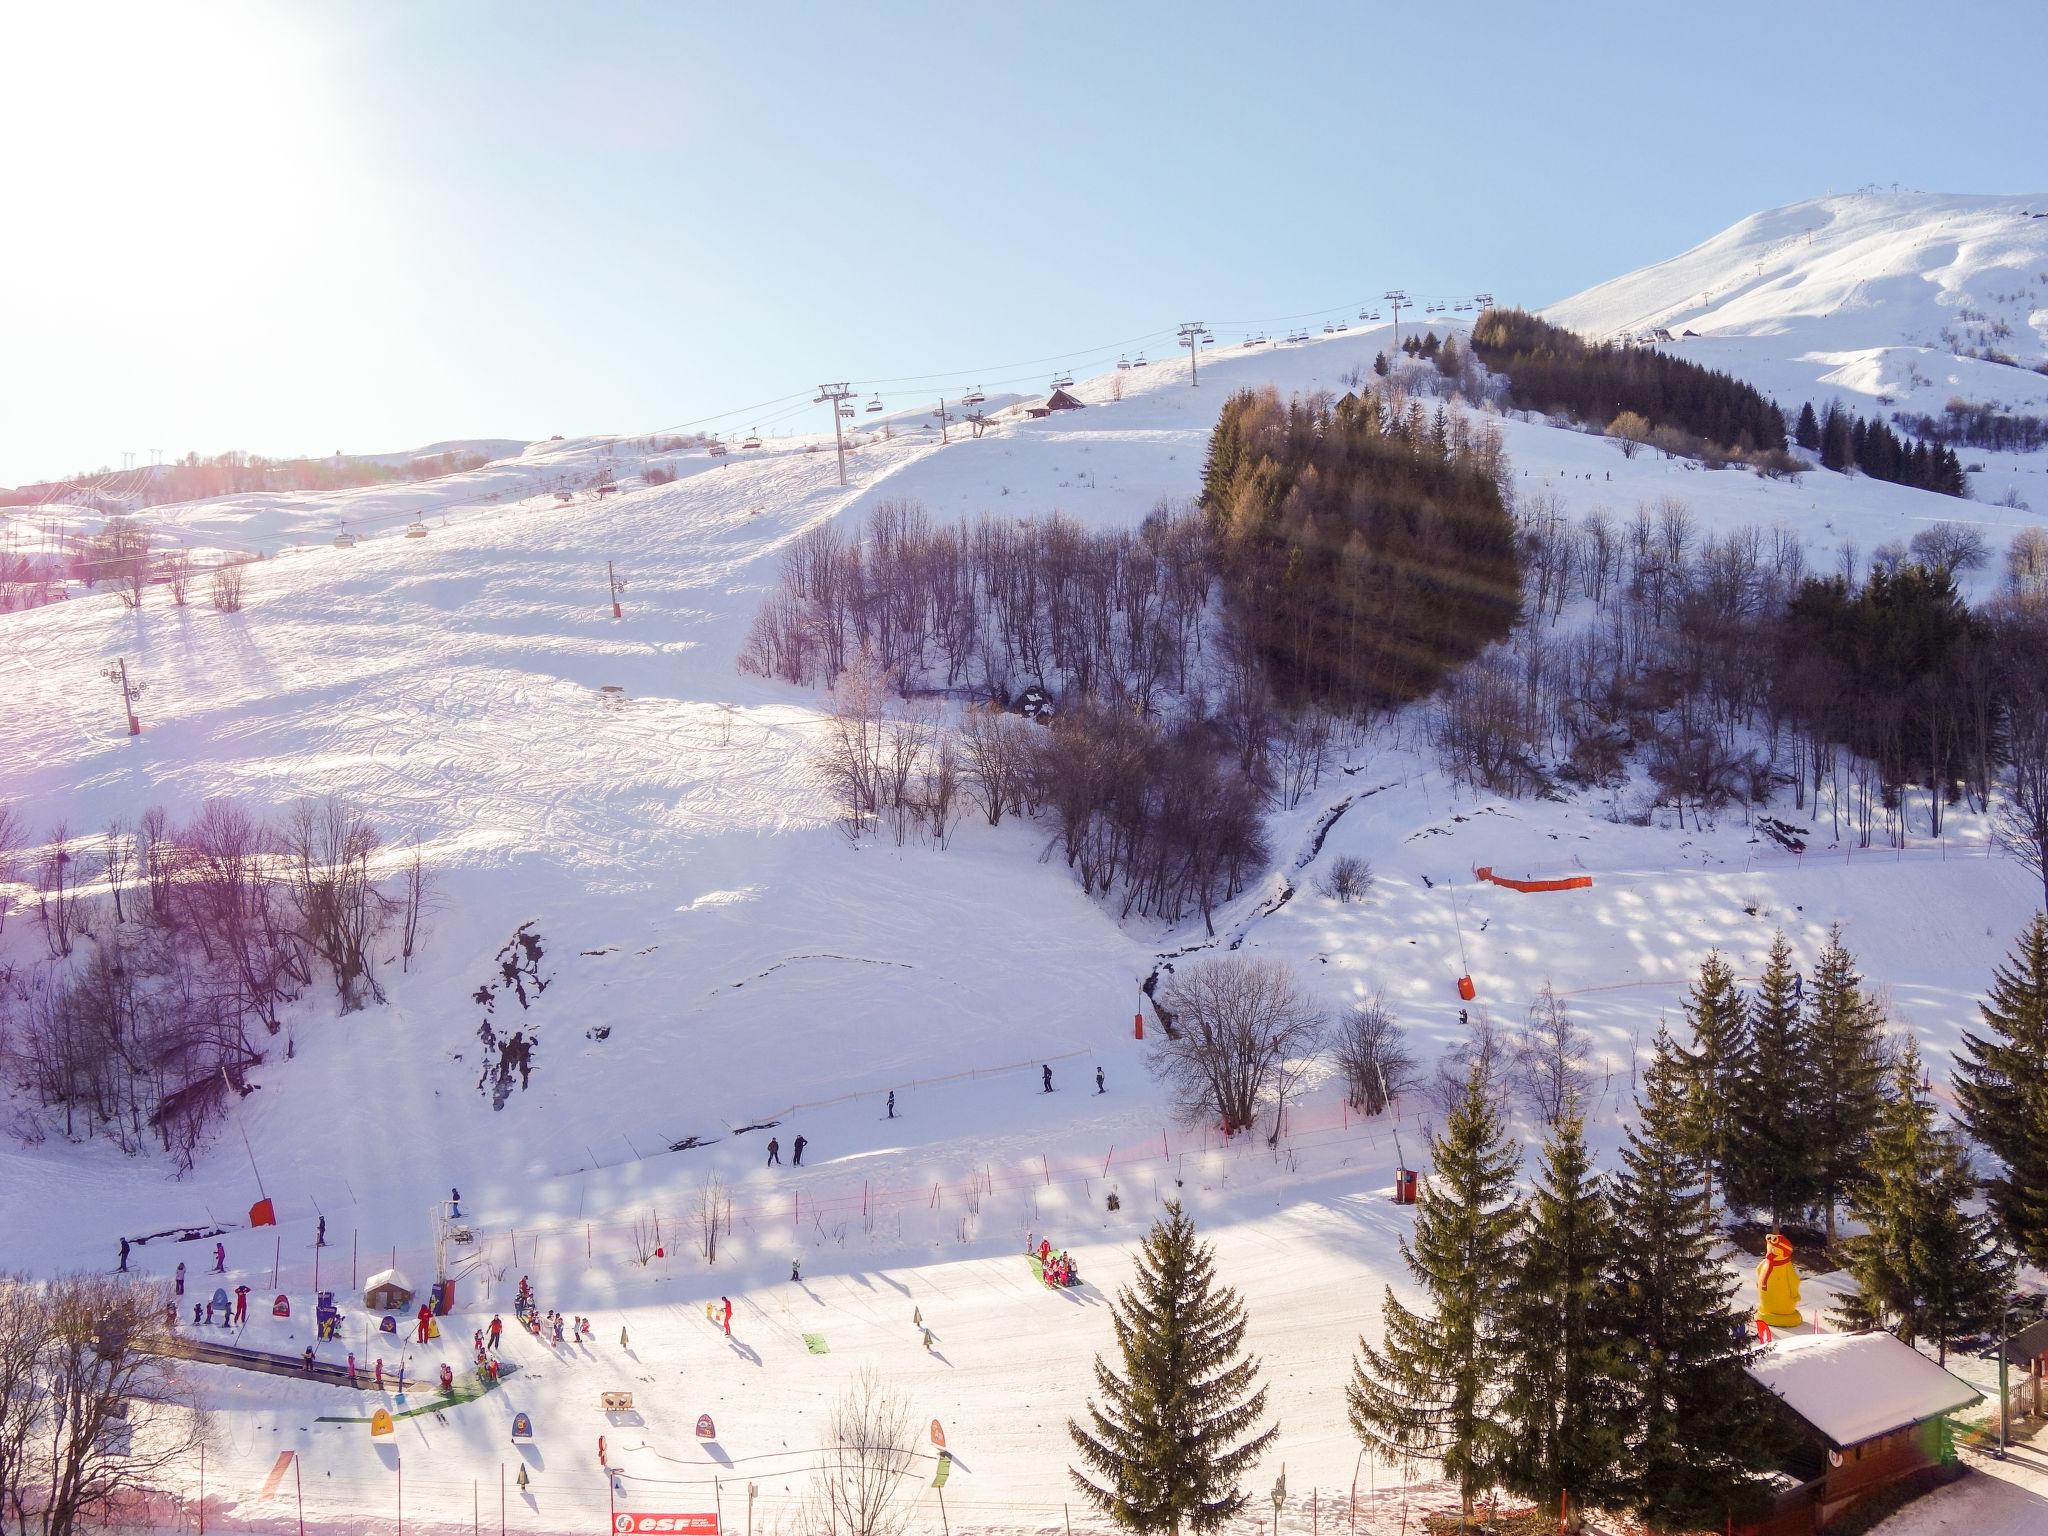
pixel 2002 1083
pixel 1807 433
pixel 1772 1157
pixel 1716 1067
pixel 1925 1267
pixel 1561 1403
pixel 1162 1443
pixel 1431 1389
pixel 1380 365
pixel 1688 1410
pixel 1843 1030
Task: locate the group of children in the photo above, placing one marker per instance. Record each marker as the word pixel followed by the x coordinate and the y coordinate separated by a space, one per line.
pixel 1056 1269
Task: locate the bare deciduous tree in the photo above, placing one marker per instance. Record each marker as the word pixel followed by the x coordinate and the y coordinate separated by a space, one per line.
pixel 12 834
pixel 1950 548
pixel 91 1411
pixel 862 1486
pixel 225 590
pixel 1239 1028
pixel 58 903
pixel 177 573
pixel 1374 1056
pixel 710 1213
pixel 1349 878
pixel 1486 1047
pixel 419 890
pixel 1550 1058
pixel 117 863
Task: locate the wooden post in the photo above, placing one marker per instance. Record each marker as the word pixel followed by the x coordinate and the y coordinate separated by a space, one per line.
pixel 945 1525
pixel 501 1499
pixel 299 1484
pixel 352 1234
pixel 276 1258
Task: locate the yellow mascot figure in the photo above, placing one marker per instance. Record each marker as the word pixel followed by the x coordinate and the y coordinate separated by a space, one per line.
pixel 1777 1284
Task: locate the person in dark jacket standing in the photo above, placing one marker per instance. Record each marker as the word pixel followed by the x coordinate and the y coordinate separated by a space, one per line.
pixel 124 1252
pixel 892 1116
pixel 774 1151
pixel 181 1277
pixel 1098 1081
pixel 796 1152
pixel 1047 1073
pixel 320 1237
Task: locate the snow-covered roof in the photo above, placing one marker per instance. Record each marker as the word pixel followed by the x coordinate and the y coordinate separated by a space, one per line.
pixel 1852 1387
pixel 385 1277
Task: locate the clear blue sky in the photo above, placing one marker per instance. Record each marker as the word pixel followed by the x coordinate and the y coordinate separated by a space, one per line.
pixel 297 227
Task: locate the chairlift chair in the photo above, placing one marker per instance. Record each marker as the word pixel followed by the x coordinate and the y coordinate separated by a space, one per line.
pixel 754 440
pixel 1123 363
pixel 848 412
pixel 717 449
pixel 1329 329
pixel 974 396
pixel 874 404
pixel 418 530
pixel 1139 362
pixel 344 541
pixel 1343 326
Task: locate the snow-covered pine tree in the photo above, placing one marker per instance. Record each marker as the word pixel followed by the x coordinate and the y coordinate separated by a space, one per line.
pixel 1773 1157
pixel 1561 1405
pixel 1690 1414
pixel 1926 1268
pixel 2001 1080
pixel 1846 1057
pixel 1717 1063
pixel 1167 1447
pixel 1431 1389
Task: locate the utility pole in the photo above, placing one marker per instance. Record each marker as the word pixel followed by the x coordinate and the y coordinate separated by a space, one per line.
pixel 836 393
pixel 943 419
pixel 1396 297
pixel 1191 336
pixel 617 586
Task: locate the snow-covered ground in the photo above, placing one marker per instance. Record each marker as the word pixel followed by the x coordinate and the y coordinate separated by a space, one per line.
pixel 718 956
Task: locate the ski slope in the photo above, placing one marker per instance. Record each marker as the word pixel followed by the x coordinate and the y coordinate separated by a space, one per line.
pixel 718 956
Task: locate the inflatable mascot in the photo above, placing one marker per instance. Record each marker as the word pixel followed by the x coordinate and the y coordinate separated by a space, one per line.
pixel 1777 1285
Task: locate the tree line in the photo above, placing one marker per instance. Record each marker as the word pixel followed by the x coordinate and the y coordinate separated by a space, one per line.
pixel 1365 546
pixel 1728 669
pixel 193 478
pixel 1977 424
pixel 1845 441
pixel 1551 369
pixel 172 950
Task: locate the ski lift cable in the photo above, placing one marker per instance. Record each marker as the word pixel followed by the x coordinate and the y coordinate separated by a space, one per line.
pixel 1029 362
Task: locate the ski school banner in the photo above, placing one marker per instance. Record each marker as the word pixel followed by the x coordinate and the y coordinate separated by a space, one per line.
pixel 664 1525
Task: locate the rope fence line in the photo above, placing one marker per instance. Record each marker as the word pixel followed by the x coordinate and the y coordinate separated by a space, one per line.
pixel 580 1504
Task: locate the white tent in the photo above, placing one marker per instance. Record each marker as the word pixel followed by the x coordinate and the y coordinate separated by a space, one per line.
pixel 1853 1387
pixel 387 1291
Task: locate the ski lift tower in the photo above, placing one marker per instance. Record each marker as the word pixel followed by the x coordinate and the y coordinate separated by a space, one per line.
pixel 1396 297
pixel 451 1231
pixel 1191 337
pixel 835 393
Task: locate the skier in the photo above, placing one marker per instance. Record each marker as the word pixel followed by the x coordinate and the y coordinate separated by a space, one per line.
pixel 796 1271
pixel 209 1314
pixel 1098 1081
pixel 497 1330
pixel 380 1373
pixel 1047 1072
pixel 220 1258
pixel 352 1368
pixel 124 1241
pixel 479 1343
pixel 320 1237
pixel 728 1315
pixel 774 1151
pixel 195 1314
pixel 454 1202
pixel 426 1320
pixel 1462 1018
pixel 797 1152
pixel 181 1277
pixel 892 1116
pixel 241 1305
pixel 307 1357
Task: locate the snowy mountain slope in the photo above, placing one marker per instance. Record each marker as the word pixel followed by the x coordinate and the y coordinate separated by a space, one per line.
pixel 672 849
pixel 1883 301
